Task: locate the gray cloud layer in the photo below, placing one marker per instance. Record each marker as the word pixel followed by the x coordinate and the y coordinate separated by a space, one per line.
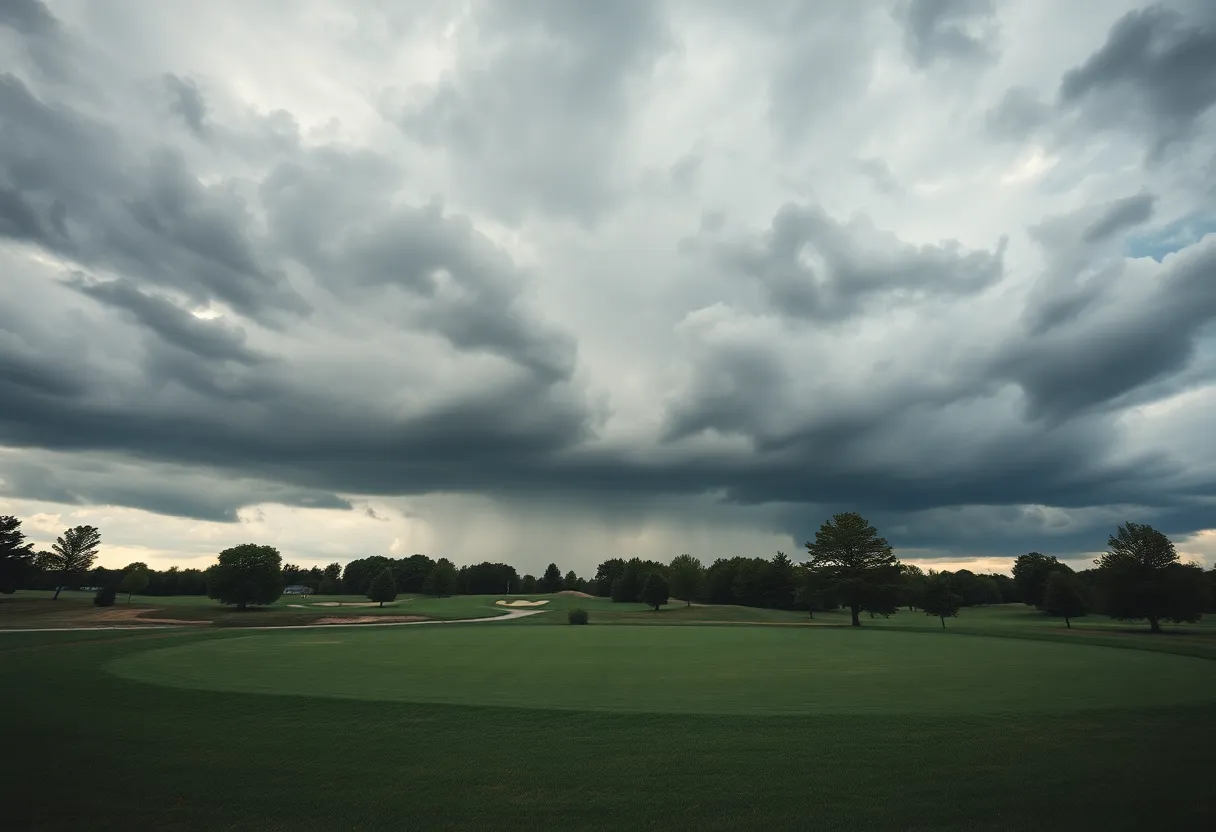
pixel 201 291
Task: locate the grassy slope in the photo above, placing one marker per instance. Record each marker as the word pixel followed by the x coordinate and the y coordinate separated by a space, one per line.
pixel 102 752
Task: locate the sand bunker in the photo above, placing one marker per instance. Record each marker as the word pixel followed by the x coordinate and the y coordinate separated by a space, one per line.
pixel 346 604
pixel 521 603
pixel 369 619
pixel 574 593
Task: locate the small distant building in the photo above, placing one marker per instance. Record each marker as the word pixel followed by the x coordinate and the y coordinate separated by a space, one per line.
pixel 297 589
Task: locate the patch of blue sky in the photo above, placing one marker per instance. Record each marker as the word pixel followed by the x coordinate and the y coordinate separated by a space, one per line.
pixel 1175 236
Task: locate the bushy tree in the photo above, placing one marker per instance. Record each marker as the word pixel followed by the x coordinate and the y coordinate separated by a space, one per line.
pixel 442 579
pixel 16 556
pixel 849 557
pixel 627 588
pixel 527 584
pixel 571 582
pixel 940 598
pixel 606 574
pixel 687 575
pixel 655 591
pixel 551 581
pixel 105 595
pixel 136 578
pixel 383 588
pixel 1064 597
pixel 912 580
pixel 1142 577
pixel 71 555
pixel 246 574
pixel 1030 572
pixel 333 571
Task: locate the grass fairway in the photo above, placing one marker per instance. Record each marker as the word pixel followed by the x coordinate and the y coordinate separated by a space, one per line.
pixel 736 670
pixel 614 727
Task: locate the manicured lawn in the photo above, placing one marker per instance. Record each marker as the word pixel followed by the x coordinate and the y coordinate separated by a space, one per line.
pixel 770 726
pixel 739 670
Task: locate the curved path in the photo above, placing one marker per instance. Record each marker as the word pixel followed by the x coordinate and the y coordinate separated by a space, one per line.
pixel 503 617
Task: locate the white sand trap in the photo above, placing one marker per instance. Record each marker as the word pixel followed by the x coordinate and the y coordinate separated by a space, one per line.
pixel 297 606
pixel 347 604
pixel 521 603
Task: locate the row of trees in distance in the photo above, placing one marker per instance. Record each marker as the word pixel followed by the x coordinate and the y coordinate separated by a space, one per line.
pixel 848 565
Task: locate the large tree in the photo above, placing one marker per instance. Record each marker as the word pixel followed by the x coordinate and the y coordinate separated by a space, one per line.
pixel 72 554
pixel 1064 597
pixel 135 579
pixel 441 580
pixel 655 591
pixel 687 575
pixel 605 576
pixel 551 581
pixel 628 587
pixel 383 588
pixel 16 556
pixel 859 567
pixel 246 574
pixel 1030 573
pixel 1141 577
pixel 940 597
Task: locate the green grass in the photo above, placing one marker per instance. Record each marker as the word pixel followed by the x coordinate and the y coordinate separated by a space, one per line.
pixel 1004 721
pixel 747 671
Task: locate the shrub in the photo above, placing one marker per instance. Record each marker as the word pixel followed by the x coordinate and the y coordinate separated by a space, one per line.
pixel 105 596
pixel 576 617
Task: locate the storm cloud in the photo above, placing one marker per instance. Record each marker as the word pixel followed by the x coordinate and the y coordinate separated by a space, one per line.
pixel 487 281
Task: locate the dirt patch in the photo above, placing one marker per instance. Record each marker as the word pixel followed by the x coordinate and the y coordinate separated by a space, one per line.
pixel 134 617
pixel 521 603
pixel 574 593
pixel 369 619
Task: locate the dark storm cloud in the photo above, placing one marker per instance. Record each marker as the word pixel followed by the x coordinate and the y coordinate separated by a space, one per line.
pixel 207 339
pixel 955 30
pixel 533 117
pixel 29 17
pixel 1120 216
pixel 1105 350
pixel 1156 73
pixel 194 493
pixel 76 190
pixel 814 267
pixel 187 101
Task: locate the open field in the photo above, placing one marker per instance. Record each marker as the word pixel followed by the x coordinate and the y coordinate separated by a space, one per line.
pixel 1004 721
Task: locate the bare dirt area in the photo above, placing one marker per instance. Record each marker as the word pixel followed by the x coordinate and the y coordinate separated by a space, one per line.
pixel 574 593
pixel 370 619
pixel 136 616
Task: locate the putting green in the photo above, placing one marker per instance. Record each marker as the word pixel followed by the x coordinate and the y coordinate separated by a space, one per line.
pixel 732 670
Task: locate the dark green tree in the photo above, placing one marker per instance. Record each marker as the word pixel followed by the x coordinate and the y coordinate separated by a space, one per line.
pixel 330 586
pixel 857 565
pixel 1064 597
pixel 655 591
pixel 1142 577
pixel 628 587
pixel 605 576
pixel 135 579
pixel 105 595
pixel 246 574
pixel 383 588
pixel 551 581
pixel 442 579
pixel 571 582
pixel 686 577
pixel 72 554
pixel 333 572
pixel 940 598
pixel 527 584
pixel 16 556
pixel 912 580
pixel 1030 573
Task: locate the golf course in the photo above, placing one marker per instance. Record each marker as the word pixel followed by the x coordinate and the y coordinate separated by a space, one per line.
pixel 692 717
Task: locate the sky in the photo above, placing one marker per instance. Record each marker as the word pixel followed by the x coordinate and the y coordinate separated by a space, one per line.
pixel 555 280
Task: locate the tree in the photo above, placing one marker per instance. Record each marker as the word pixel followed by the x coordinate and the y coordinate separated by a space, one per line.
pixel 686 578
pixel 1142 578
pixel 441 580
pixel 857 564
pixel 527 584
pixel 16 556
pixel 135 580
pixel 1063 596
pixel 246 574
pixel 333 572
pixel 1030 573
pixel 571 581
pixel 606 574
pixel 383 588
pixel 628 587
pixel 72 554
pixel 913 585
pixel 939 597
pixel 654 591
pixel 330 586
pixel 551 581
